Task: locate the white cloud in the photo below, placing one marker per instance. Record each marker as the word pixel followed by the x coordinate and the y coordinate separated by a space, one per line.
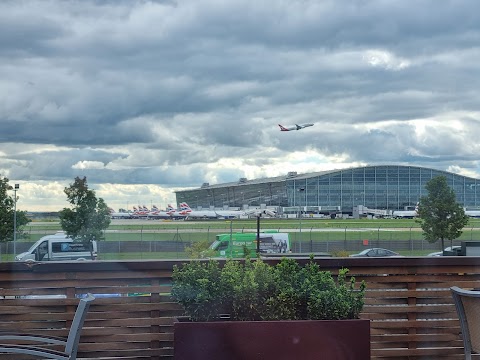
pixel 386 60
pixel 82 165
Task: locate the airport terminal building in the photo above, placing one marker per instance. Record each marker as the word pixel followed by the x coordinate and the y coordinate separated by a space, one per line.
pixel 389 187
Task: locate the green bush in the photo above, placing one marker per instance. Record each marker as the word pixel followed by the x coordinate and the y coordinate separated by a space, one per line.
pixel 200 292
pixel 199 250
pixel 254 290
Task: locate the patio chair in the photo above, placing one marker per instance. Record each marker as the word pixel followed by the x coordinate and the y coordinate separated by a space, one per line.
pixel 467 303
pixel 70 343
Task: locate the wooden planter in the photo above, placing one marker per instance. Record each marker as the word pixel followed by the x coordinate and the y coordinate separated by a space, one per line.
pixel 278 340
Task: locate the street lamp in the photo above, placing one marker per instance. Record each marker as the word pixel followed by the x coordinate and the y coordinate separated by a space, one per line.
pixel 301 190
pixel 17 186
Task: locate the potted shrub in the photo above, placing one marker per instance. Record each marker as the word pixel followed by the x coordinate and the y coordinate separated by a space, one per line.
pixel 251 310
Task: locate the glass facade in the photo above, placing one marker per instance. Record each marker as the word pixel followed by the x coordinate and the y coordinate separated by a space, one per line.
pixel 390 187
pixel 377 187
pixel 236 195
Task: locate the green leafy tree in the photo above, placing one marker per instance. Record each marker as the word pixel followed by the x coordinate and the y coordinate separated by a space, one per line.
pixel 7 209
pixel 88 217
pixel 440 216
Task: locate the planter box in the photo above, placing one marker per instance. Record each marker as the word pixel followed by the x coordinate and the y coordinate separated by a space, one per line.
pixel 279 340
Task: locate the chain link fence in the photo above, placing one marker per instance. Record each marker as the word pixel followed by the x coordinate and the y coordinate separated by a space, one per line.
pixel 171 241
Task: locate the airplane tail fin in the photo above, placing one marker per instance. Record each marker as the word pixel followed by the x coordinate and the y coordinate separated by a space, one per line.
pixel 185 209
pixel 282 128
pixel 184 206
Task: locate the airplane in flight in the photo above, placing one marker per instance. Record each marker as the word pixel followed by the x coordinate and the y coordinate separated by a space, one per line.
pixel 294 127
pixel 406 214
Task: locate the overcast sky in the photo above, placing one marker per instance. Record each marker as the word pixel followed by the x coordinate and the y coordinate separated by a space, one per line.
pixel 147 97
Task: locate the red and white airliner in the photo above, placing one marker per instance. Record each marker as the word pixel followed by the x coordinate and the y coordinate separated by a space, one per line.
pixel 294 127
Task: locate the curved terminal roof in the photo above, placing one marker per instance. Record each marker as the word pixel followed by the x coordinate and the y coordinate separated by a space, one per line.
pixel 295 176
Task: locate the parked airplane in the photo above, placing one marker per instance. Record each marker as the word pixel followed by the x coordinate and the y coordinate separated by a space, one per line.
pixel 119 215
pixel 174 213
pixel 142 211
pixel 473 213
pixel 406 214
pixel 196 214
pixel 229 214
pixel 156 213
pixel 294 127
pixel 260 212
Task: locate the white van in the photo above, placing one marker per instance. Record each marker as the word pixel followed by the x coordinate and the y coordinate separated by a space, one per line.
pixel 58 247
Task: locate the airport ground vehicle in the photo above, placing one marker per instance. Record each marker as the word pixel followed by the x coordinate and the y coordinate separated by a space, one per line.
pixel 58 247
pixel 235 245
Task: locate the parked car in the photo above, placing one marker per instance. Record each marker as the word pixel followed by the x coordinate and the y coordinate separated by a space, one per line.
pixel 457 249
pixel 376 252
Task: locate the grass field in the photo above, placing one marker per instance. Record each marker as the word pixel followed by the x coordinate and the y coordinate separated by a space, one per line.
pixel 306 231
pixel 132 224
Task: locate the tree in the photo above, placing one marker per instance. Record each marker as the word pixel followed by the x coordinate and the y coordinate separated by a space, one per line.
pixel 88 218
pixel 441 217
pixel 7 209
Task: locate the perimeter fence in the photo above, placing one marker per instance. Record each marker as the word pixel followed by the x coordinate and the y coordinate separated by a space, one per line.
pixel 171 241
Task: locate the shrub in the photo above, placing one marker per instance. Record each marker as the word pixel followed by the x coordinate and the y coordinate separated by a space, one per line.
pixel 199 249
pixel 340 253
pixel 198 289
pixel 255 290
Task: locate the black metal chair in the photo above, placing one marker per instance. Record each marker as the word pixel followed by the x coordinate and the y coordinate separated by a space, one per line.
pixel 467 303
pixel 70 343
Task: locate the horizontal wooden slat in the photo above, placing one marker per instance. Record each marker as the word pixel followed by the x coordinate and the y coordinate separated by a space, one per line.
pixel 408 302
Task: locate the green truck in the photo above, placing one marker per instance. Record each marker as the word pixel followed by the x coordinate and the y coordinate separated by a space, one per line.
pixel 237 245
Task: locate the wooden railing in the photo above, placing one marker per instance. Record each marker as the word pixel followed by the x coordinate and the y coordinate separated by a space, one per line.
pixel 408 302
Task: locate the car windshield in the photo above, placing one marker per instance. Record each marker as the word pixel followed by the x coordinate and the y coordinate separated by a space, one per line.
pixel 364 252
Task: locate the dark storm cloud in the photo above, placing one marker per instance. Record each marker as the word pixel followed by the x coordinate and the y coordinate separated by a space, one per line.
pixel 164 92
pixel 54 165
pixel 78 133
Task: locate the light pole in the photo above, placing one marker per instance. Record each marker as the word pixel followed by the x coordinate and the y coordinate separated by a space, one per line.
pixel 17 186
pixel 301 190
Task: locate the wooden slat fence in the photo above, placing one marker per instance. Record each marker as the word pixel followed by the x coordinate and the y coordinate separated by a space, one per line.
pixel 408 302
